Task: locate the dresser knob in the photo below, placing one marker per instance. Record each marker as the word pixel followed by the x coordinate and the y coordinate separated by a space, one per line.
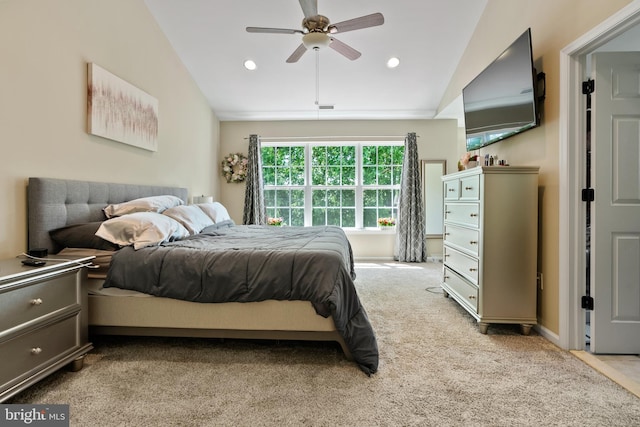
pixel 36 301
pixel 36 351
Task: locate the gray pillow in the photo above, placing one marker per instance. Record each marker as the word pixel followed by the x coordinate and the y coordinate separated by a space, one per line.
pixel 81 235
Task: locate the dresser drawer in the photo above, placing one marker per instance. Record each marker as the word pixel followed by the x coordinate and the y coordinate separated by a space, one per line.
pixel 37 299
pixel 463 264
pixel 463 213
pixel 466 239
pixel 26 352
pixel 470 188
pixel 452 189
pixel 463 289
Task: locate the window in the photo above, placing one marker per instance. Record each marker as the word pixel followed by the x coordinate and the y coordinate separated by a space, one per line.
pixel 346 184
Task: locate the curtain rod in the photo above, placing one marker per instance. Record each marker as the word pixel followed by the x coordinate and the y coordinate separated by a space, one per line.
pixel 334 138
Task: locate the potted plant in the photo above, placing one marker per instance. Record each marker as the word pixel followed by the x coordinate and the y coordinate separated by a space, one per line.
pixel 468 161
pixel 276 222
pixel 386 223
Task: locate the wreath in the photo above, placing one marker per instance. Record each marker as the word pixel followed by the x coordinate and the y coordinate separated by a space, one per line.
pixel 234 167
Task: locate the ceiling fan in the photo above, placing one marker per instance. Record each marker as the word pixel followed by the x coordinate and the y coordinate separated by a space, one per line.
pixel 318 32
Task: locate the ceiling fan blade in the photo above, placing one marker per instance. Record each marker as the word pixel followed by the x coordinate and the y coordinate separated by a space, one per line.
pixel 273 30
pixel 344 49
pixel 309 7
pixel 297 54
pixel 366 21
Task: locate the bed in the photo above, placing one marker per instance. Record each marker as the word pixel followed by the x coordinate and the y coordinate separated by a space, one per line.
pixel 293 311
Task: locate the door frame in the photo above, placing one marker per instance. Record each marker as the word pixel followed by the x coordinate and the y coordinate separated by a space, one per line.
pixel 572 171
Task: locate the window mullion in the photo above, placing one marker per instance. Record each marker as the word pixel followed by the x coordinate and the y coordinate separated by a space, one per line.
pixel 307 185
pixel 359 194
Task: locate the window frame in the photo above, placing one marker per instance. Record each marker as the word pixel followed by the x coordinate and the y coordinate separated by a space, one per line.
pixel 359 188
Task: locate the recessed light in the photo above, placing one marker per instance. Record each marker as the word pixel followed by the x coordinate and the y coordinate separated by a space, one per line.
pixel 393 62
pixel 250 65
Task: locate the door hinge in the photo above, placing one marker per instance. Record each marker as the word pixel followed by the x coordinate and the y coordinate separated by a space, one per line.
pixel 588 195
pixel 588 87
pixel 587 302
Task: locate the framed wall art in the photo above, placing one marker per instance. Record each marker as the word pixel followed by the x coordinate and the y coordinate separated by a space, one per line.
pixel 119 111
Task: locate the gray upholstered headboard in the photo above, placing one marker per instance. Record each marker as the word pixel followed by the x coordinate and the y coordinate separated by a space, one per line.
pixel 55 203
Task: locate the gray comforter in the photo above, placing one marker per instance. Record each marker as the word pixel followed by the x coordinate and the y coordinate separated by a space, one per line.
pixel 257 263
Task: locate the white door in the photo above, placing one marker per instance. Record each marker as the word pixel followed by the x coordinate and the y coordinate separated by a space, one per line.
pixel 615 235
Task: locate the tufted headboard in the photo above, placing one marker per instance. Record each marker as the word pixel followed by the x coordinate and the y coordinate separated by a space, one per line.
pixel 55 203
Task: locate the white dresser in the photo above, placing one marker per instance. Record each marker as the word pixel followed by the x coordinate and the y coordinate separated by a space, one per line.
pixel 43 322
pixel 490 243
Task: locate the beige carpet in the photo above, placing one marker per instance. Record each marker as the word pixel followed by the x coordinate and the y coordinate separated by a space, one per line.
pixel 436 370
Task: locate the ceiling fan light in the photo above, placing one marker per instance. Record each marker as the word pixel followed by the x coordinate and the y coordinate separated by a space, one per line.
pixel 315 40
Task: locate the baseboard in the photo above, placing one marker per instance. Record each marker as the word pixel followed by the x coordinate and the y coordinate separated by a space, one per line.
pixel 549 335
pixel 373 259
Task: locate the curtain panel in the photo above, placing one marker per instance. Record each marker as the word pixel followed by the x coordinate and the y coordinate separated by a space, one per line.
pixel 255 211
pixel 410 229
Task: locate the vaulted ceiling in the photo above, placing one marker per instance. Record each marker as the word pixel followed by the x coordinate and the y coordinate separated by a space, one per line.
pixel 427 36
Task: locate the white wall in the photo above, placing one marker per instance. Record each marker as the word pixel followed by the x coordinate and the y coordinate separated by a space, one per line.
pixel 45 47
pixel 437 139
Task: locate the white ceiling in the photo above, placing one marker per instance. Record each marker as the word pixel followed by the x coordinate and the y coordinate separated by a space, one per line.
pixel 428 36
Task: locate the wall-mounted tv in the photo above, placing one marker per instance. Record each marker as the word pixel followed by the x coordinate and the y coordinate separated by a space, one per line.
pixel 502 101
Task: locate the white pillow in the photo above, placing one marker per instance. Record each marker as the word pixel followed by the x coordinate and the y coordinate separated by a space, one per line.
pixel 141 229
pixel 144 204
pixel 191 217
pixel 216 211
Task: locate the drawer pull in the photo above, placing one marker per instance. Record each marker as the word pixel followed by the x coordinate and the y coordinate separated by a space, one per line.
pixel 447 212
pixel 36 350
pixel 36 301
pixel 473 215
pixel 446 277
pixel 468 188
pixel 473 269
pixel 473 242
pixel 472 297
pixel 451 189
pixel 446 234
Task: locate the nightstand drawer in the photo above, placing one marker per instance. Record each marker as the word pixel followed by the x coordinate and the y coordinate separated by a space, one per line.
pixel 463 213
pixel 26 352
pixel 463 289
pixel 463 264
pixel 37 299
pixel 466 239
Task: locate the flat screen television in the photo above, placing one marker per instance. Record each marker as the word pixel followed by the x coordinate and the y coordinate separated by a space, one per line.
pixel 502 101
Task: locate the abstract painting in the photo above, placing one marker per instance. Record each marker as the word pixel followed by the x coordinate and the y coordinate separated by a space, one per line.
pixel 119 111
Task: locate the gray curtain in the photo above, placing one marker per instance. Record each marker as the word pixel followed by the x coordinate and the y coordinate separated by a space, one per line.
pixel 255 211
pixel 410 228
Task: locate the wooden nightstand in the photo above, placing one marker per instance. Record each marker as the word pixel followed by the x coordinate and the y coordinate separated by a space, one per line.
pixel 43 320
